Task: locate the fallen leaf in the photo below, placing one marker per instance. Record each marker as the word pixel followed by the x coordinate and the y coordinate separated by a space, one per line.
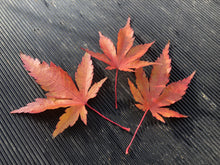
pixel 127 58
pixel 62 91
pixel 153 94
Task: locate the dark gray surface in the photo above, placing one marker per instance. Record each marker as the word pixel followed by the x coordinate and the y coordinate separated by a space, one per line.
pixel 54 30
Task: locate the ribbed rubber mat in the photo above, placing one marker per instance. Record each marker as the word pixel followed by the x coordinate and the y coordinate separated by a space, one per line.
pixel 54 30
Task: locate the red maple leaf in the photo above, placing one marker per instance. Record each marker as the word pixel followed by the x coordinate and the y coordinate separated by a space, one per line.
pixel 153 94
pixel 62 91
pixel 126 58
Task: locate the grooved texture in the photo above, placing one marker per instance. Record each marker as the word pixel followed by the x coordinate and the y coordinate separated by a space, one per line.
pixel 54 30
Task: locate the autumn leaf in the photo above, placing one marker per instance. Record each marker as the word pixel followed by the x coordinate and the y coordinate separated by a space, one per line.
pixel 153 94
pixel 62 91
pixel 126 58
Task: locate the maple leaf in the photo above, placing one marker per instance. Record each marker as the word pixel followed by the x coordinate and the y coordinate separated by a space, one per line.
pixel 62 91
pixel 153 94
pixel 127 58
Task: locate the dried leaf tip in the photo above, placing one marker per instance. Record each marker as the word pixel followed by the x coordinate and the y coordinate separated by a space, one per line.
pixel 128 22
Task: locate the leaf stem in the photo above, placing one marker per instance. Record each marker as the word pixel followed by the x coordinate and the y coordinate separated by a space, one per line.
pixel 116 77
pixel 126 152
pixel 124 128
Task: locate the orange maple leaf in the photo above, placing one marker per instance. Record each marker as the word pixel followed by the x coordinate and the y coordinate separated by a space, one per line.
pixel 153 94
pixel 62 91
pixel 126 58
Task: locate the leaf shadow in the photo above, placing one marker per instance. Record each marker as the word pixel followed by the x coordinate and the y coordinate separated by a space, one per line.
pixel 183 128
